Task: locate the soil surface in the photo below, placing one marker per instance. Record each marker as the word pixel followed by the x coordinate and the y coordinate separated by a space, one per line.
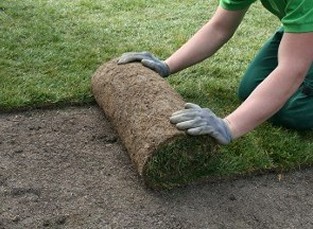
pixel 66 168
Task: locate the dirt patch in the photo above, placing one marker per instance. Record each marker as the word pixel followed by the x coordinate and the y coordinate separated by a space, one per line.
pixel 67 169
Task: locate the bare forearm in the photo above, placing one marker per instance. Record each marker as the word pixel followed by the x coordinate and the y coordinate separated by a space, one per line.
pixel 201 46
pixel 295 57
pixel 264 101
pixel 211 37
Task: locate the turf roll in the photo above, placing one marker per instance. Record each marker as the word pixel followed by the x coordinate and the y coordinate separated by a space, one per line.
pixel 139 103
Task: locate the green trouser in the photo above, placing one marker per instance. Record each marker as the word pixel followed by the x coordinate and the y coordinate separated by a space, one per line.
pixel 297 113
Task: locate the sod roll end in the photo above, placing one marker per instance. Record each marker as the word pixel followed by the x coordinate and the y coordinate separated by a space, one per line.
pixel 139 104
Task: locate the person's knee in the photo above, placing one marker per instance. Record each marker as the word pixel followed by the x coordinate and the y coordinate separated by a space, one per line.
pixel 243 93
pixel 246 86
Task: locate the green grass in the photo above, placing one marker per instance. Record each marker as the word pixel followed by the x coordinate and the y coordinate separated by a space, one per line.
pixel 50 49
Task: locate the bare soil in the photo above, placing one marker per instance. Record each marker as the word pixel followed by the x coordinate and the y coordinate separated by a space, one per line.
pixel 66 168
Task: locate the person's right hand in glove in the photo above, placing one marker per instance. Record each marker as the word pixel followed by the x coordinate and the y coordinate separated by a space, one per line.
pixel 195 120
pixel 147 60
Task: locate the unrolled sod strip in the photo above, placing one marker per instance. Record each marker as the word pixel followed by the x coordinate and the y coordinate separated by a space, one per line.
pixel 139 104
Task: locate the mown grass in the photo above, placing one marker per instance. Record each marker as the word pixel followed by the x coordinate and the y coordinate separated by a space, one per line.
pixel 50 49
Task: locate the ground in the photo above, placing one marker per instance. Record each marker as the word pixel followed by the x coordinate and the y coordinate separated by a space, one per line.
pixel 65 168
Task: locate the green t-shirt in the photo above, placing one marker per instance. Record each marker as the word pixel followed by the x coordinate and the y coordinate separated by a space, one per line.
pixel 295 15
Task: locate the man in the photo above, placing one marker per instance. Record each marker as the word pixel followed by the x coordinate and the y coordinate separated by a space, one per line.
pixel 278 84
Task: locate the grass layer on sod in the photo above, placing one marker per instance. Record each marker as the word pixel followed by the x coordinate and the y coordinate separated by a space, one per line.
pixel 188 160
pixel 50 49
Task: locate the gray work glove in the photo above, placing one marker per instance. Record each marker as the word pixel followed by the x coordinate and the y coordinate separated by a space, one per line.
pixel 200 121
pixel 147 60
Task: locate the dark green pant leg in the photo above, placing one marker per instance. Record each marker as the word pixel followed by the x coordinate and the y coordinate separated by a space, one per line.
pixel 297 113
pixel 261 66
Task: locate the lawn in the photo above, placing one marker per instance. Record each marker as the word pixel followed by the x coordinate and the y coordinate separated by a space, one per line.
pixel 50 49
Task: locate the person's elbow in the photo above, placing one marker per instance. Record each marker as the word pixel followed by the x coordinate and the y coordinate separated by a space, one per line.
pixel 295 72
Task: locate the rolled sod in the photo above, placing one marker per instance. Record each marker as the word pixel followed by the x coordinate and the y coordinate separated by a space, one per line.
pixel 139 103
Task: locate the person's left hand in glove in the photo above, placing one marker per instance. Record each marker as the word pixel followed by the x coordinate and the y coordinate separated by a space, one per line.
pixel 201 121
pixel 148 60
